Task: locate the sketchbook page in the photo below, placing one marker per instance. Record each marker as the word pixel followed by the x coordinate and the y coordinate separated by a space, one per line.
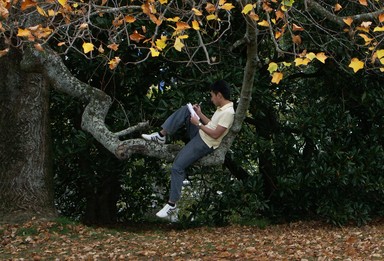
pixel 192 111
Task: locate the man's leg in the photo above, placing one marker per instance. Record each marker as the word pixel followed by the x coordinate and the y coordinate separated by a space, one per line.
pixel 178 119
pixel 193 151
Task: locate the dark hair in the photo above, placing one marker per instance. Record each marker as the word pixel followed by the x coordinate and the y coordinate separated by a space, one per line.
pixel 222 87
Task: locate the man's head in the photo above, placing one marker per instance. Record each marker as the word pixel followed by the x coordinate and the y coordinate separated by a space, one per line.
pixel 222 87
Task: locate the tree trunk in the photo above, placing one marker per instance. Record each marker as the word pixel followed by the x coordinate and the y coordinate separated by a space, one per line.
pixel 25 170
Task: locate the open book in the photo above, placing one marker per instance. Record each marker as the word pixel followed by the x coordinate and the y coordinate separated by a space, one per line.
pixel 192 111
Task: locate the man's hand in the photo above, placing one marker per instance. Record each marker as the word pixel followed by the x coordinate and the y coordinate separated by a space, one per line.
pixel 195 120
pixel 197 108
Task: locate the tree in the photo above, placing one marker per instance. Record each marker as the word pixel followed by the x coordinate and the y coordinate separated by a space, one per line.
pixel 130 33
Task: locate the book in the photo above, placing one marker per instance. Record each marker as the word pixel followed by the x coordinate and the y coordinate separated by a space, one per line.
pixel 192 111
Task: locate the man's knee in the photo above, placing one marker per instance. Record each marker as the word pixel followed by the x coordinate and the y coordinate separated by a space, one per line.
pixel 177 171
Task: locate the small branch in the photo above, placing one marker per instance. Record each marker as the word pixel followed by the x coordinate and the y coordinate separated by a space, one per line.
pixel 139 126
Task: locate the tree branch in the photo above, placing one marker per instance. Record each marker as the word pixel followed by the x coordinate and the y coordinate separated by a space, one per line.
pixel 93 120
pixel 312 4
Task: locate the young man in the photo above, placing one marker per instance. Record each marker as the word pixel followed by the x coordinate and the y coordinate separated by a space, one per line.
pixel 205 136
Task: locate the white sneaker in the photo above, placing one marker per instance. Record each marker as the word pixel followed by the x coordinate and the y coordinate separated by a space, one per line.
pixel 168 212
pixel 154 137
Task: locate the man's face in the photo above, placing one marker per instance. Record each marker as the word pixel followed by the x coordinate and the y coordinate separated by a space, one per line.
pixel 214 98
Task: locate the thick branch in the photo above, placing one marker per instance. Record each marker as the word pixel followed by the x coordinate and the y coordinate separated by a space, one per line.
pixel 312 4
pixel 93 121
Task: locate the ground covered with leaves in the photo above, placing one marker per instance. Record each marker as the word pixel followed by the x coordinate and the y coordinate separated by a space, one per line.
pixel 63 240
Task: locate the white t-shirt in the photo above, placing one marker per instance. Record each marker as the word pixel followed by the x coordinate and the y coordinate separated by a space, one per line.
pixel 224 117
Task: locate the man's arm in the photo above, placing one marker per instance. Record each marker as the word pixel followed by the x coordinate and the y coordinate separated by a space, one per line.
pixel 204 119
pixel 216 133
pixel 213 133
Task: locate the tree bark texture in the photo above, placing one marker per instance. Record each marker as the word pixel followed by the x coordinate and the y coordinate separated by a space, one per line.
pixel 25 170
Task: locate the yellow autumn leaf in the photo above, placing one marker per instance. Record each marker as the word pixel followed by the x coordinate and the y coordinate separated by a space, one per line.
pixel 356 64
pixel 277 77
pixel 301 61
pixel 379 29
pixel 363 29
pixel 321 57
pixel 154 52
pixel 183 36
pixel 63 2
pixel 366 39
pixel 161 43
pixel 247 9
pixel 211 17
pixel 163 2
pixel 272 67
pixel 114 62
pixel 381 69
pixel 278 35
pixel 51 12
pixel 348 21
pixel 197 12
pixel 382 60
pixel 178 44
pixel 310 56
pixel 227 6
pixel 195 25
pixel 263 23
pixel 41 11
pixel 88 47
pixel 380 53
pixel 23 32
pixel 174 19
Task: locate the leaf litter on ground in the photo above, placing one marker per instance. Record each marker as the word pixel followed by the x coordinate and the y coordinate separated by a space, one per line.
pixel 56 240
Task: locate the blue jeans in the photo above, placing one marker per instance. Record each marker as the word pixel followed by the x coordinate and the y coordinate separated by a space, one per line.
pixel 190 153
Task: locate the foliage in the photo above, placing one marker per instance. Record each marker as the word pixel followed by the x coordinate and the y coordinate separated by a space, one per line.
pixel 214 197
pixel 326 152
